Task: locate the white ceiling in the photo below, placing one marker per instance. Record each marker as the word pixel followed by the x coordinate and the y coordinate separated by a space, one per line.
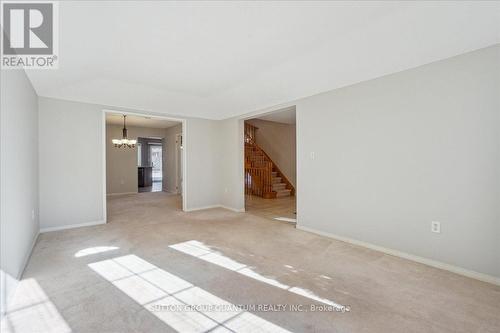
pixel 286 116
pixel 221 59
pixel 139 121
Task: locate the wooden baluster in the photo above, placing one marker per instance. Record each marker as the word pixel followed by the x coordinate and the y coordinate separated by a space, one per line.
pixel 260 182
pixel 269 179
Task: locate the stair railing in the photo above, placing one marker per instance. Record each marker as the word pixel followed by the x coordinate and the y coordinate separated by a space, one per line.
pixel 258 171
pixel 261 181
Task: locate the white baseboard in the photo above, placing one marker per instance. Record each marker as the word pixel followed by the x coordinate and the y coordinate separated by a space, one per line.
pixel 240 210
pixel 429 262
pixel 124 193
pixel 71 226
pixel 215 206
pixel 201 208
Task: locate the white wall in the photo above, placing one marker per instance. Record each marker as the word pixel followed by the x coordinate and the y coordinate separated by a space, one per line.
pixel 395 153
pixel 18 177
pixel 72 162
pixel 204 162
pixel 231 161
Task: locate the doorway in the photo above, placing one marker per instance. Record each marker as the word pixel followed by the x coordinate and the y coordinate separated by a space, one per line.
pixel 149 147
pixel 270 164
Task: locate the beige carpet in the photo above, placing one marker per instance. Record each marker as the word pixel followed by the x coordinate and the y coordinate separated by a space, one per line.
pixel 154 268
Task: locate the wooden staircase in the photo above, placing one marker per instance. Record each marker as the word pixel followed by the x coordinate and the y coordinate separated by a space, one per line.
pixel 263 178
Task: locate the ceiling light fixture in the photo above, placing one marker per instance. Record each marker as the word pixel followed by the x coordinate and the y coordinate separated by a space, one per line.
pixel 124 141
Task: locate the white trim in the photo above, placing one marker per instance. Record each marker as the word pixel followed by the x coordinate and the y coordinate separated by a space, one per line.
pixel 201 208
pixel 184 164
pixel 124 193
pixel 104 196
pixel 286 219
pixel 178 172
pixel 429 262
pixel 71 226
pixel 241 162
pixel 236 210
pixel 242 210
pixel 183 121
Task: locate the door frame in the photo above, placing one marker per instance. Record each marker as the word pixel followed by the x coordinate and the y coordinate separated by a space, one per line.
pixel 151 115
pixel 241 150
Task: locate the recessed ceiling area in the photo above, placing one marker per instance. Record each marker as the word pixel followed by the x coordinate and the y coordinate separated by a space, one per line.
pixel 139 121
pixel 221 59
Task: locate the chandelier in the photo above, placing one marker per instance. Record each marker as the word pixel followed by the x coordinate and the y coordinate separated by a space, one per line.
pixel 124 141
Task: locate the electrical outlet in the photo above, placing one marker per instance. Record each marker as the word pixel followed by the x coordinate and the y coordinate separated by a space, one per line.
pixel 436 227
pixel 313 155
pixel 33 214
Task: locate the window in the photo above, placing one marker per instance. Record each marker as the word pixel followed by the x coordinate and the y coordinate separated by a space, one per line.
pixel 155 156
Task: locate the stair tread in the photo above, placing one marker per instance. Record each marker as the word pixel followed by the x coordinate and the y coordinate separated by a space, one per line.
pixel 256 158
pixel 283 193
